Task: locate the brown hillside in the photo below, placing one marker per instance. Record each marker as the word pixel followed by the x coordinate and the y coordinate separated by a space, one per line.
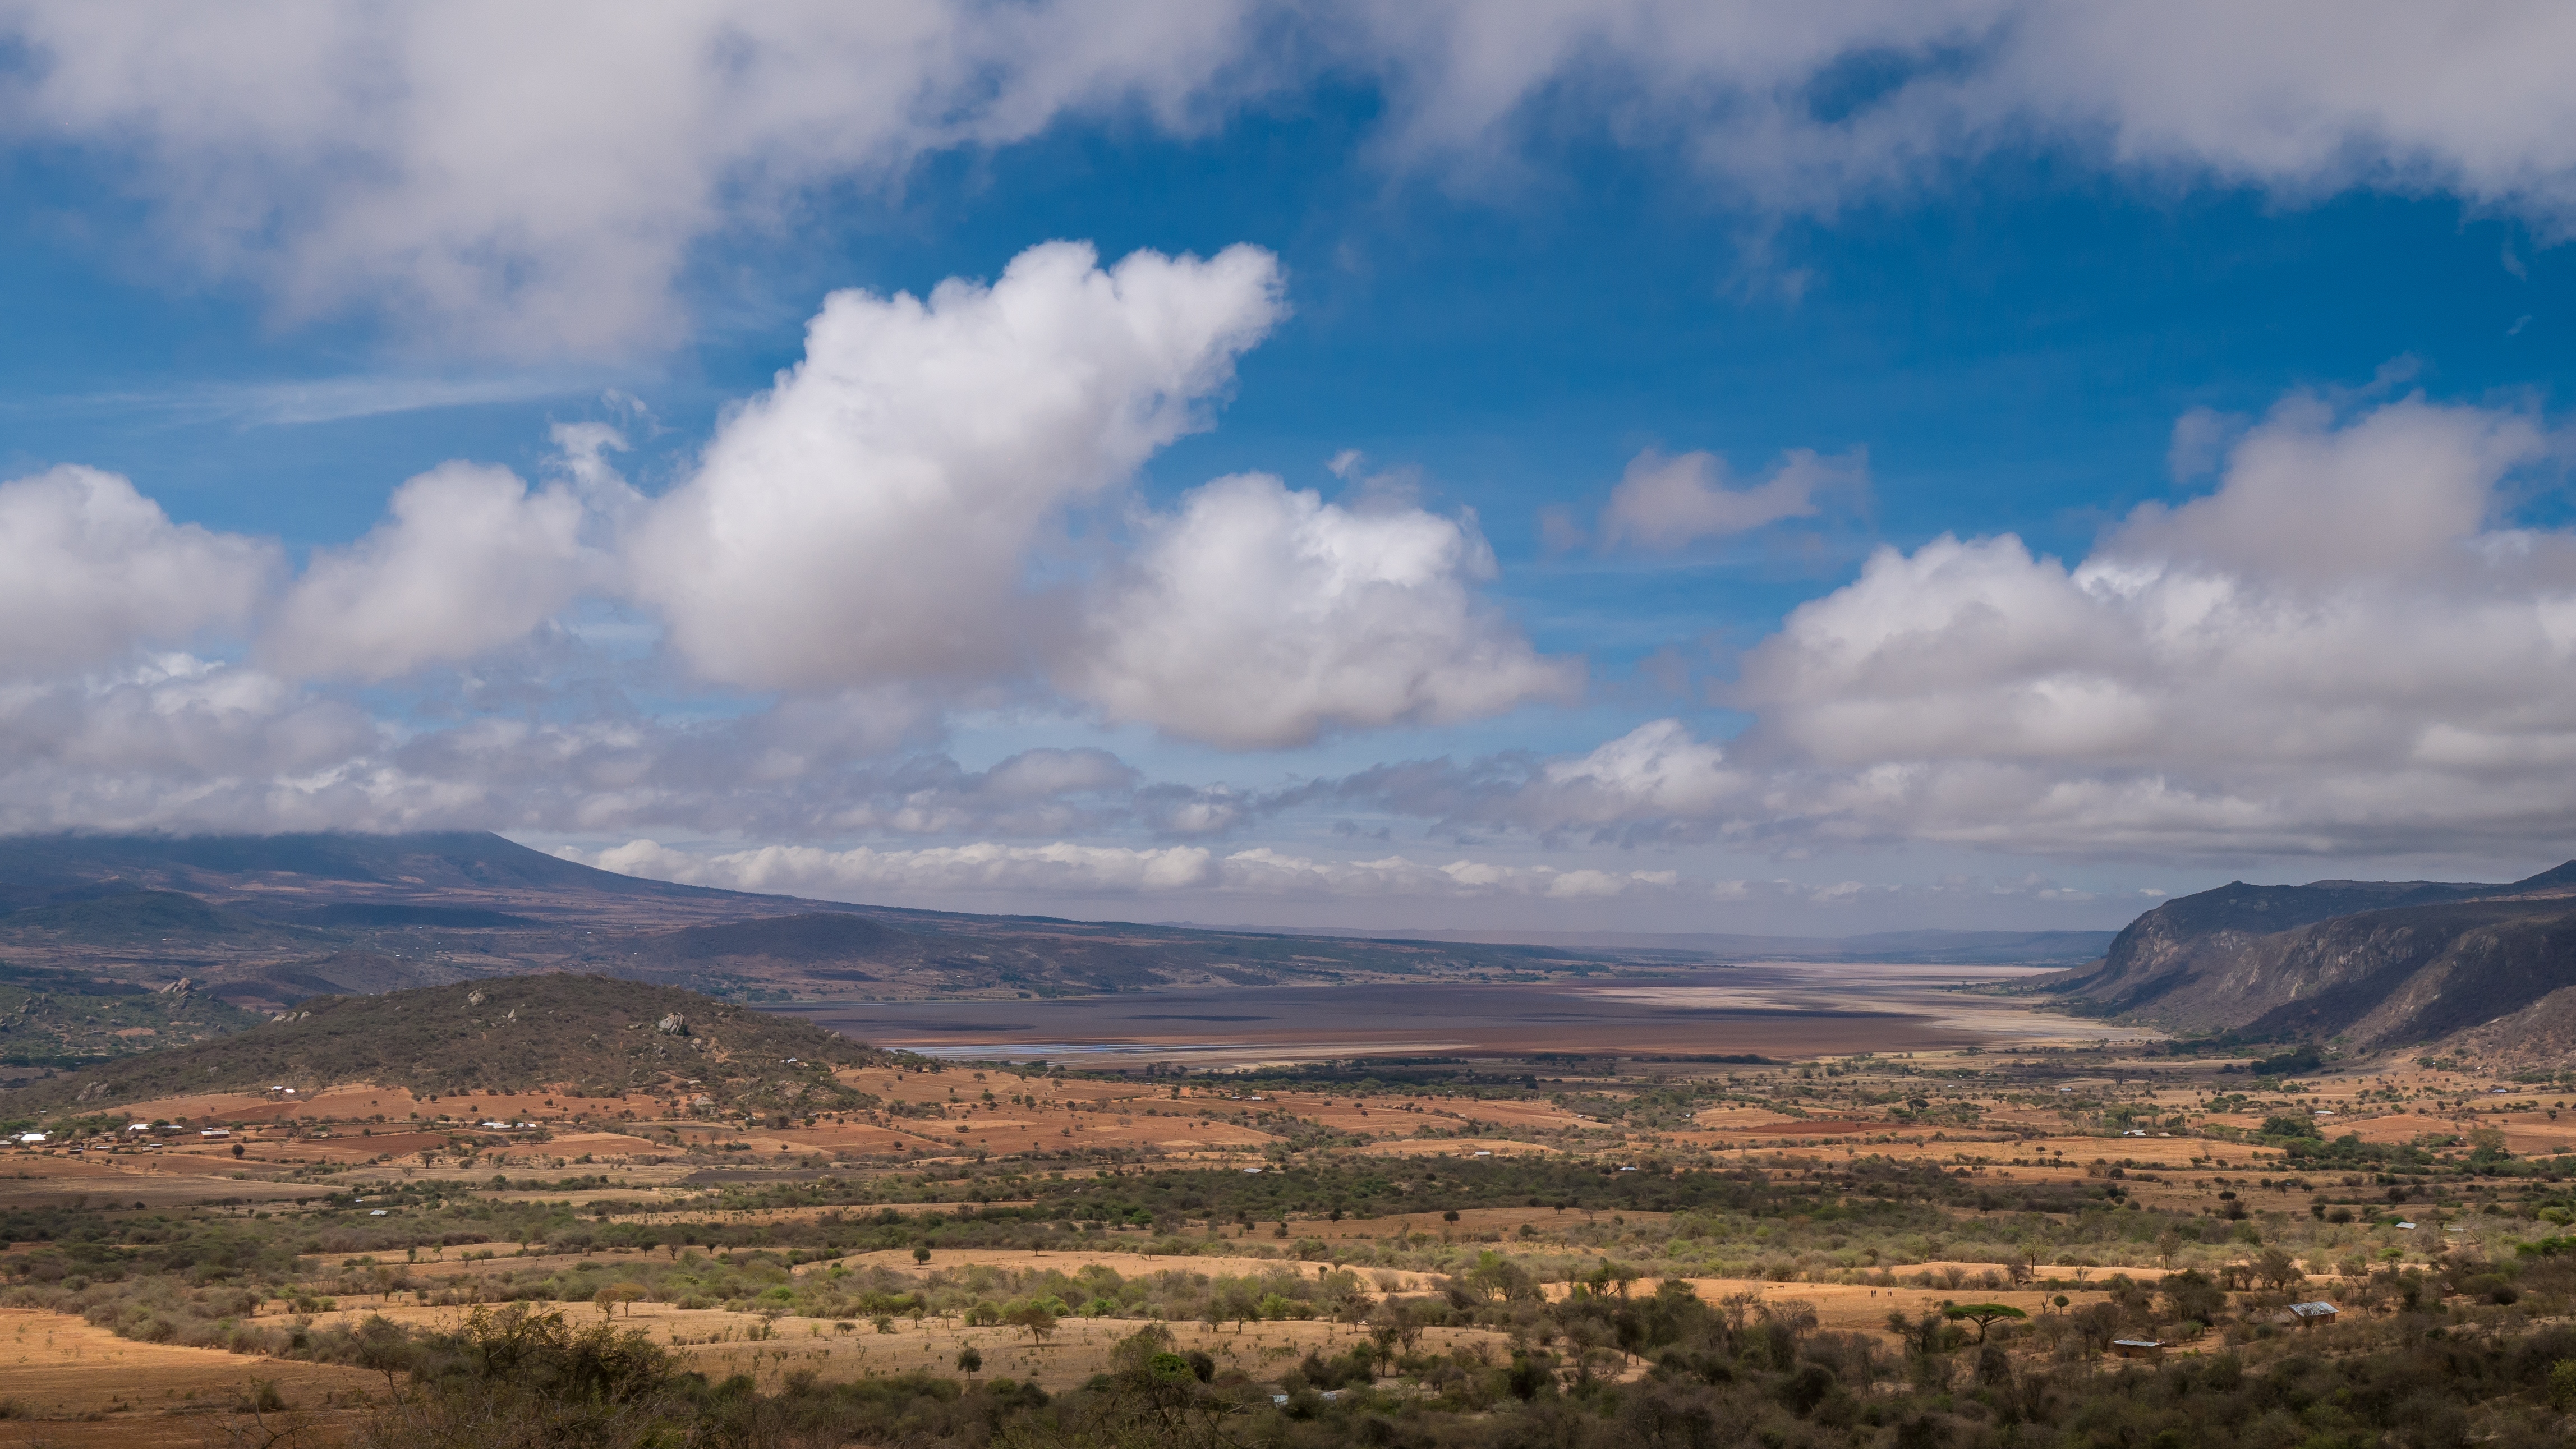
pixel 585 1035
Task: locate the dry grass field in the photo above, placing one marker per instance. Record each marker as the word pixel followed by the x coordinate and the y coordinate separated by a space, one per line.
pixel 74 1383
pixel 720 1343
pixel 39 1179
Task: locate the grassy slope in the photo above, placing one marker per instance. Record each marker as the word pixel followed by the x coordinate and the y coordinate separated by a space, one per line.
pixel 52 1018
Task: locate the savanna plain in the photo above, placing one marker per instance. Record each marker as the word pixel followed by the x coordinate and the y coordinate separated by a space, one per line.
pixel 2042 1230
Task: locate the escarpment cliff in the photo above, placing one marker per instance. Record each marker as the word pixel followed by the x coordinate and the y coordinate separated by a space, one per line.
pixel 2375 963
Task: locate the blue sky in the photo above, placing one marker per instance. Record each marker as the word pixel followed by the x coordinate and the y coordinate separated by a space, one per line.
pixel 2276 371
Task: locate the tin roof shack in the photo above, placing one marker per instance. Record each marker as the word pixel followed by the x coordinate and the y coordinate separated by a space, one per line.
pixel 2138 1347
pixel 2309 1315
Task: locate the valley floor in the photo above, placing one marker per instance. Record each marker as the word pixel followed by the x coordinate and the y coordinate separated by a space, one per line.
pixel 1460 1238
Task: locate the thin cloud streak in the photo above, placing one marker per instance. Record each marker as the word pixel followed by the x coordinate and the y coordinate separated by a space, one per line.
pixel 288 403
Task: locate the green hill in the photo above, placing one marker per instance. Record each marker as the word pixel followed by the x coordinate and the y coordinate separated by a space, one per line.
pixel 581 1035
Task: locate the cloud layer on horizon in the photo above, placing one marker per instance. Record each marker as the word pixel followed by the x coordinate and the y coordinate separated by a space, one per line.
pixel 997 872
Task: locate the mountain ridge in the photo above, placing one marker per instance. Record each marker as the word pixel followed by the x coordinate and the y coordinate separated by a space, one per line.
pixel 268 921
pixel 2377 964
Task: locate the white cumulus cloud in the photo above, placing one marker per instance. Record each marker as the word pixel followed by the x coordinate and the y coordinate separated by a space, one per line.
pixel 873 516
pixel 89 569
pixel 2345 647
pixel 177 742
pixel 471 559
pixel 1262 616
pixel 1668 503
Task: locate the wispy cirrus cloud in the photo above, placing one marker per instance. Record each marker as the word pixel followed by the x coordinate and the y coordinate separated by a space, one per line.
pixel 289 402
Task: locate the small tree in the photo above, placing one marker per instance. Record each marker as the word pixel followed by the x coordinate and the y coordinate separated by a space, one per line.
pixel 2194 1296
pixel 1620 1275
pixel 1382 1340
pixel 1033 1316
pixel 1919 1335
pixel 969 1362
pixel 605 1300
pixel 1981 1314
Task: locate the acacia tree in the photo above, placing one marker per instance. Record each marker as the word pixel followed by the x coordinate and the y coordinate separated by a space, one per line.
pixel 1037 1318
pixel 1981 1314
pixel 613 1294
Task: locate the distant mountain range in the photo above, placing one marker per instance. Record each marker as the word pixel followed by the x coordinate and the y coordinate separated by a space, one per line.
pixel 262 922
pixel 2372 964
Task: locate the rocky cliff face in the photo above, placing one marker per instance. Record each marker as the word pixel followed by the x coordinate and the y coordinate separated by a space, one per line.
pixel 2375 963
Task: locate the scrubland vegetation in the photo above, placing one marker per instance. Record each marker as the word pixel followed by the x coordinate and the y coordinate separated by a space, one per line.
pixel 1863 1251
pixel 1602 1324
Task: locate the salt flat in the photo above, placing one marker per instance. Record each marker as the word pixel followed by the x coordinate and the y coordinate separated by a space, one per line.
pixel 1775 1010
